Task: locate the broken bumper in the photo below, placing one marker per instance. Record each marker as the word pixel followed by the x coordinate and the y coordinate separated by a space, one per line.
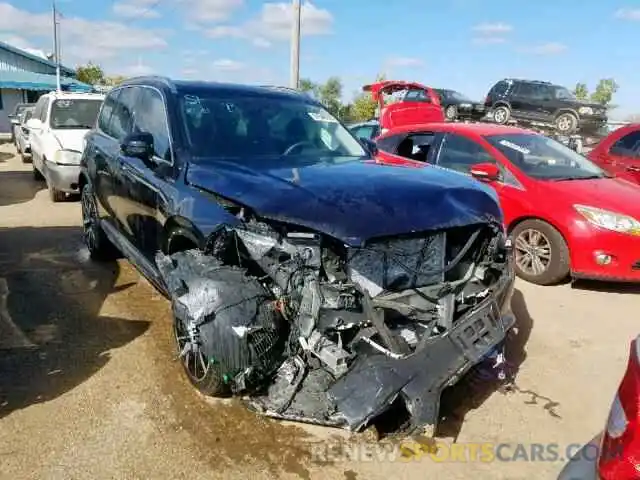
pixel 374 383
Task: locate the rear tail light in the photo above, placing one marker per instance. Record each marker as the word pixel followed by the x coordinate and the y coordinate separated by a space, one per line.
pixel 620 452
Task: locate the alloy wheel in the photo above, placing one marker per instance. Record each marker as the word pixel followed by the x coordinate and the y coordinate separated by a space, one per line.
pixel 532 252
pixel 500 115
pixel 89 220
pixel 193 358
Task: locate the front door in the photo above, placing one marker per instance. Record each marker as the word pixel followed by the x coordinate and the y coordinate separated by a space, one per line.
pixel 144 183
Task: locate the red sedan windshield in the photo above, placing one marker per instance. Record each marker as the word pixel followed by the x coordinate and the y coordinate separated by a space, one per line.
pixel 543 158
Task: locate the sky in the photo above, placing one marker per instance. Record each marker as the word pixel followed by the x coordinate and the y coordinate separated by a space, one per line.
pixel 465 45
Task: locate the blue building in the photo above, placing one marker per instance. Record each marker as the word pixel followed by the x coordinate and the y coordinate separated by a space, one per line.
pixel 25 76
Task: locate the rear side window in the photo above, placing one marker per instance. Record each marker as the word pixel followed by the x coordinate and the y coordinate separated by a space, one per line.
pixel 500 88
pixel 122 116
pixel 151 117
pixel 628 145
pixel 387 144
pixel 365 131
pixel 105 113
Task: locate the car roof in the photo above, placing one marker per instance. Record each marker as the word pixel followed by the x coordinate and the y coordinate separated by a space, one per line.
pixel 76 95
pixel 468 128
pixel 226 89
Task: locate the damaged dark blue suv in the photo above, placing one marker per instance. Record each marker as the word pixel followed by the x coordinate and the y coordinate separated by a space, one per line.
pixel 319 284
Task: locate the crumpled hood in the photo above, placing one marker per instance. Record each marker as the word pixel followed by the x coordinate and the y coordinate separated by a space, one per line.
pixel 70 139
pixel 611 194
pixel 352 201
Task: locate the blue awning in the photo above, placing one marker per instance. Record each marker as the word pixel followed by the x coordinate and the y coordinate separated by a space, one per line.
pixel 22 80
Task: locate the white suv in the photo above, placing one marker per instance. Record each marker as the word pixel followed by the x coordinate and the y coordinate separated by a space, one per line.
pixel 57 129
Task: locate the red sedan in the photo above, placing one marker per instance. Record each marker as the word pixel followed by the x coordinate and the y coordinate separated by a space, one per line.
pixel 567 216
pixel 619 153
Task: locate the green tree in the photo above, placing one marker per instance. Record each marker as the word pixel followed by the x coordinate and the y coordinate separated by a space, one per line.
pixel 364 107
pixel 113 80
pixel 330 94
pixel 308 86
pixel 581 91
pixel 605 89
pixel 91 74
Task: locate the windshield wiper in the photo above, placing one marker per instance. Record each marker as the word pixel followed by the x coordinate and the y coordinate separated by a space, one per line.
pixel 585 177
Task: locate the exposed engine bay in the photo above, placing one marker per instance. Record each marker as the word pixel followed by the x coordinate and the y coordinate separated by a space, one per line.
pixel 307 328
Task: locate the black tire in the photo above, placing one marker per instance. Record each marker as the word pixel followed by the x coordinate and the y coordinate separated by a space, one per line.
pixel 56 195
pixel 211 382
pixel 501 114
pixel 566 123
pixel 557 266
pixel 36 173
pixel 99 246
pixel 451 113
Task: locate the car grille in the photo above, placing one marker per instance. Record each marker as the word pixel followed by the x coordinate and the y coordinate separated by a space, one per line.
pixel 398 264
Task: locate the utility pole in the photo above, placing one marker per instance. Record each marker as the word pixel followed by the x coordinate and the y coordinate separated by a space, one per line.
pixel 56 45
pixel 295 45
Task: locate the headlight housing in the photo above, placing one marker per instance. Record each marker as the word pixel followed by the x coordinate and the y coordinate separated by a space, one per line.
pixel 585 111
pixel 615 222
pixel 67 157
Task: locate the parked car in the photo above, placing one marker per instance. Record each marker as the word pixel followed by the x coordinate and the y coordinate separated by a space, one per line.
pixel 414 103
pixel 544 102
pixel 614 453
pixel 567 216
pixel 265 220
pixel 15 120
pixel 458 106
pixel 369 130
pixel 619 153
pixel 23 145
pixel 56 131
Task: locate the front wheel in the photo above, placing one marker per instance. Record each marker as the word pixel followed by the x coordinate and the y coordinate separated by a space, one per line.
pixel 541 253
pixel 204 373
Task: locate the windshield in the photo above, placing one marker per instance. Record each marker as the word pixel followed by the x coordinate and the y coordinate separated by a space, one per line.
pixel 250 127
pixel 563 93
pixel 542 158
pixel 74 113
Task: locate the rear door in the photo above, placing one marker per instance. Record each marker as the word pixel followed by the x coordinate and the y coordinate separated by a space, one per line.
pixel 623 157
pixel 525 101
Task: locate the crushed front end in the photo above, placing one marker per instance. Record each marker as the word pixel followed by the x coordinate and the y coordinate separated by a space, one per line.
pixel 335 334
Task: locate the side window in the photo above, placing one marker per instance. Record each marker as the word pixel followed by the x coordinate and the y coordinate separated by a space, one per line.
pixel 151 117
pixel 459 153
pixel 499 88
pixel 526 90
pixel 105 113
pixel 417 95
pixel 387 144
pixel 366 131
pixel 628 145
pixel 416 146
pixel 122 115
pixel 38 109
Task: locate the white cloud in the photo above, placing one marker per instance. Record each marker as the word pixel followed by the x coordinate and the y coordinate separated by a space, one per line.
pixel 203 11
pixel 492 28
pixel 274 23
pixel 628 14
pixel 81 40
pixel 136 9
pixel 488 40
pixel 227 65
pixel 404 62
pixel 550 48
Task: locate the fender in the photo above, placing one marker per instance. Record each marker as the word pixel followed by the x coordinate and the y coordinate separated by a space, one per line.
pixel 178 226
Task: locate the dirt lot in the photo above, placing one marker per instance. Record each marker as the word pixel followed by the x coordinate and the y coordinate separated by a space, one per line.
pixel 89 387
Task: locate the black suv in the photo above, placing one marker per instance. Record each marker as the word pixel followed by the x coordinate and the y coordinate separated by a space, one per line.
pixel 544 102
pixel 294 261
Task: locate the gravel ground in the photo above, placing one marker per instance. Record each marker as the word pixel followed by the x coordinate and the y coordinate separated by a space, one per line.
pixel 89 385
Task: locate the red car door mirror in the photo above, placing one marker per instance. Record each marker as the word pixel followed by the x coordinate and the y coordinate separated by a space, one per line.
pixel 485 172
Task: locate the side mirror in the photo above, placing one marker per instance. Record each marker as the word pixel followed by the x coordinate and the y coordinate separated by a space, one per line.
pixel 34 124
pixel 485 172
pixel 370 145
pixel 138 145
